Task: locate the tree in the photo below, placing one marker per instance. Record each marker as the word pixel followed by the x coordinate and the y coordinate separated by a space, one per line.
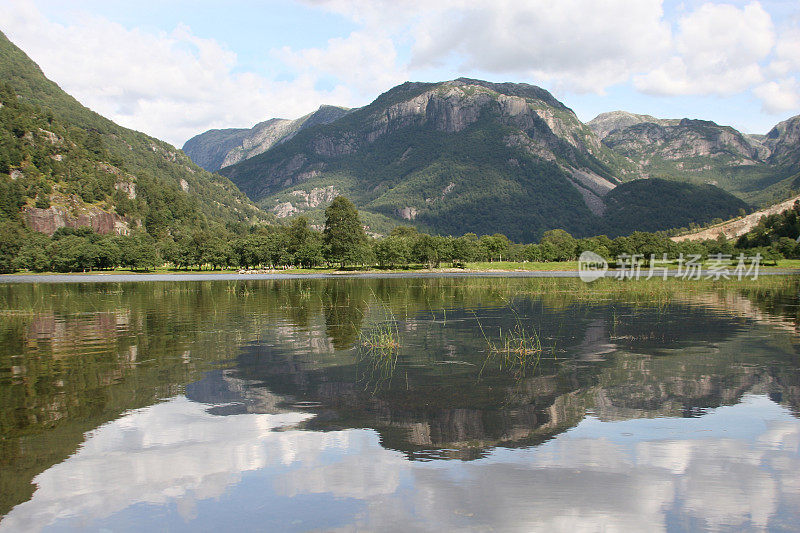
pixel 466 248
pixel 425 250
pixel 344 237
pixel 495 246
pixel 215 249
pixel 560 244
pixel 304 244
pixel 33 254
pixel 73 252
pixel 140 253
pixel 648 244
pixel 393 250
pixel 532 253
pixel 11 239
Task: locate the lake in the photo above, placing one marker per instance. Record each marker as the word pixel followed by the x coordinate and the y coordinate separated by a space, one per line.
pixel 400 403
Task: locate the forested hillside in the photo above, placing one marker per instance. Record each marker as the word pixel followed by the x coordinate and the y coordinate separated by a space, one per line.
pixel 60 161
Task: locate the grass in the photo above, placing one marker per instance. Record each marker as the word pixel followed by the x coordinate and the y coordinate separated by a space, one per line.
pixel 497 266
pixel 378 347
pixel 381 339
pixel 517 350
pixel 515 266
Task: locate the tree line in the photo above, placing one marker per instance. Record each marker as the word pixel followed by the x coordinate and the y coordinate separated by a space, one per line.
pixel 344 243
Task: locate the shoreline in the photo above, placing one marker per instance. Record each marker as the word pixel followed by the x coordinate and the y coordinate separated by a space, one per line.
pixel 131 277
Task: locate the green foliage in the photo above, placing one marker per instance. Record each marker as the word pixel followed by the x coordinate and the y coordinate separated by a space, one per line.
pixel 139 253
pixel 61 153
pixel 33 254
pixel 656 204
pixel 11 239
pixel 778 233
pixel 394 250
pixel 343 236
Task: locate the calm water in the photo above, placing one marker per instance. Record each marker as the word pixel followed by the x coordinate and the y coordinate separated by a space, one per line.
pixel 377 404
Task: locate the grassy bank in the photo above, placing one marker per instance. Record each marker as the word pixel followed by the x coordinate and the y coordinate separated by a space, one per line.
pixel 496 266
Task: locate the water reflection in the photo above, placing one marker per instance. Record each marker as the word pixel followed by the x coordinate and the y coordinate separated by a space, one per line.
pixel 183 405
pixel 174 465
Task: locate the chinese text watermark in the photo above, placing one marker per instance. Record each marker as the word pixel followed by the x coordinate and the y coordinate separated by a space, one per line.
pixel 592 266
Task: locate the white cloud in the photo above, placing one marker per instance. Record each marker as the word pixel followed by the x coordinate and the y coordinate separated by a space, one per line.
pixel 366 61
pixel 779 96
pixel 718 50
pixel 171 84
pixel 787 53
pixel 175 84
pixel 581 44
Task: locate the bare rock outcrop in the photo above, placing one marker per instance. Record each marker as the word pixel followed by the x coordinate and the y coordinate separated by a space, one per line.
pixel 408 213
pixel 78 215
pixel 316 196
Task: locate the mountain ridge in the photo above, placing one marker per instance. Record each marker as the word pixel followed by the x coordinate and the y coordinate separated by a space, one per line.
pixel 218 148
pixel 445 155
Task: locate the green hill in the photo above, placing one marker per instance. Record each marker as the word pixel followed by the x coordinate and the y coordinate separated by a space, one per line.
pixel 678 205
pixel 63 164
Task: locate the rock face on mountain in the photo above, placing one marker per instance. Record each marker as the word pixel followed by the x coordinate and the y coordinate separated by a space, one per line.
pixel 699 151
pixel 783 142
pixel 688 140
pixel 48 220
pixel 215 149
pixel 451 157
pixel 208 150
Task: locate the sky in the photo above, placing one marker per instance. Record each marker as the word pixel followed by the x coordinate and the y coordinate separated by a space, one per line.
pixel 176 68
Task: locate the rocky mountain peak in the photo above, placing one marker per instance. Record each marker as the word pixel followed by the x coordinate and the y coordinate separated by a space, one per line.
pixel 784 142
pixel 605 123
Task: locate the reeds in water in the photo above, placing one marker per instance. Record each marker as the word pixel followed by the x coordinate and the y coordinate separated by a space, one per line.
pixel 517 350
pixel 378 347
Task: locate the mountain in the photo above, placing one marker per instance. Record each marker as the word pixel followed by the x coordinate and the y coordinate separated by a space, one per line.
pixel 215 149
pixel 759 169
pixel 62 164
pixel 783 142
pixel 454 157
pixel 605 123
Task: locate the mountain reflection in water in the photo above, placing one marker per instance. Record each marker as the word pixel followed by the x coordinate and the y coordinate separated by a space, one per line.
pixel 186 405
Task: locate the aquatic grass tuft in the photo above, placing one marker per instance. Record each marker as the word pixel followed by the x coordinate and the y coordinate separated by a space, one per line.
pixel 378 346
pixel 517 350
pixel 380 338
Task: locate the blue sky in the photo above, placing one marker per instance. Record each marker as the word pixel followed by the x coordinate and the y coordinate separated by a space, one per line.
pixel 174 69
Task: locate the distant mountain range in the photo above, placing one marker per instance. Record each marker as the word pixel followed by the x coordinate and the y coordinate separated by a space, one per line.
pixel 760 169
pixel 469 155
pixel 215 149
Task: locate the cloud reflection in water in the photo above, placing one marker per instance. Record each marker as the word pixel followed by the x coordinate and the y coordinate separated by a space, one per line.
pixel 735 467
